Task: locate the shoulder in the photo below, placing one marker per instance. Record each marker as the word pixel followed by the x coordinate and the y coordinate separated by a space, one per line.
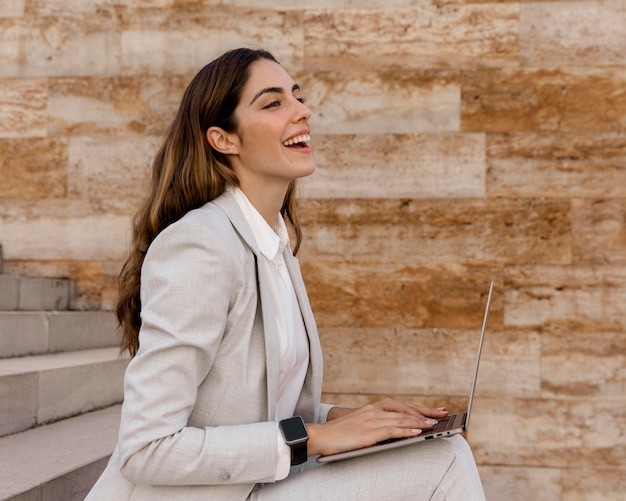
pixel 208 218
pixel 208 228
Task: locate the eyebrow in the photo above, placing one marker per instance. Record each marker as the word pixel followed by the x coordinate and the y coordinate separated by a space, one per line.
pixel 276 90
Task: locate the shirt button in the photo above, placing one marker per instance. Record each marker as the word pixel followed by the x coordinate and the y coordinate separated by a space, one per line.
pixel 224 476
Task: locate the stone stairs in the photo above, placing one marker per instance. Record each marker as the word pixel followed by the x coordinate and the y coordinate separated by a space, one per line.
pixel 61 380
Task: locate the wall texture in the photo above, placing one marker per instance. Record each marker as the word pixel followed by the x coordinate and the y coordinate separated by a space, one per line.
pixel 456 141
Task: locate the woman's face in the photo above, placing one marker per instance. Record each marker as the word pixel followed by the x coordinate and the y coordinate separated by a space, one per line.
pixel 272 139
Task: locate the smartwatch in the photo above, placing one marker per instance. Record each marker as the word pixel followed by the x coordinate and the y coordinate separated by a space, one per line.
pixel 295 434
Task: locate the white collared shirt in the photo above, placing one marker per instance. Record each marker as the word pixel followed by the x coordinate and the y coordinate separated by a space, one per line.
pixel 294 343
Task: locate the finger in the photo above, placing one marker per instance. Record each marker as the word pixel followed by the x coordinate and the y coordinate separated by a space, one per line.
pixel 418 419
pixel 405 420
pixel 437 413
pixel 401 433
pixel 391 405
pixel 421 417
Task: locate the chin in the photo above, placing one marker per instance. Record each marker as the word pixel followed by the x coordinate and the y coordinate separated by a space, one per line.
pixel 308 171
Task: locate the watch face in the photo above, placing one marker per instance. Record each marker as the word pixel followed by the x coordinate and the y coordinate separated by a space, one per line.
pixel 293 429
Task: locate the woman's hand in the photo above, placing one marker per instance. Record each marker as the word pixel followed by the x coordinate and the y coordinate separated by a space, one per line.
pixel 347 429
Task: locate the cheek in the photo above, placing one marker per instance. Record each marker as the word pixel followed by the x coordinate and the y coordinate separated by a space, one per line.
pixel 262 136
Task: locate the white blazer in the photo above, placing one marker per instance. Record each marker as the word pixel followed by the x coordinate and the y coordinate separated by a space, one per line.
pixel 200 395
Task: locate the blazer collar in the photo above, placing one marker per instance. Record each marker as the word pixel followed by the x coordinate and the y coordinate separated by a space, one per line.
pixel 229 205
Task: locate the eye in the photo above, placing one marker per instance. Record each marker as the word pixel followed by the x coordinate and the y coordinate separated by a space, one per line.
pixel 273 104
pixel 301 99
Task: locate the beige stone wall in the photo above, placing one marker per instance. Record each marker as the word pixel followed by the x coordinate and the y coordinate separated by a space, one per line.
pixel 456 141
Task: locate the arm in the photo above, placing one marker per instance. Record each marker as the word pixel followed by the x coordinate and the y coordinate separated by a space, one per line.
pixel 347 429
pixel 190 281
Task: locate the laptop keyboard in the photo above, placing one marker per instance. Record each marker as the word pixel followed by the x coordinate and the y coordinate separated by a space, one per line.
pixel 451 422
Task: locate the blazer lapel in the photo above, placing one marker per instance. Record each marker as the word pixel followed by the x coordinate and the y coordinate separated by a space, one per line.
pixel 229 205
pixel 312 390
pixel 272 347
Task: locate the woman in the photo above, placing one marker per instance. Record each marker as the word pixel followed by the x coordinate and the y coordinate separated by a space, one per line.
pixel 214 310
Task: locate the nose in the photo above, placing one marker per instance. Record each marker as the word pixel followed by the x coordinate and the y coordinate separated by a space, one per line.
pixel 302 112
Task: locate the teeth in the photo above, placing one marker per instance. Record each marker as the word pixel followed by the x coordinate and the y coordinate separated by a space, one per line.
pixel 304 138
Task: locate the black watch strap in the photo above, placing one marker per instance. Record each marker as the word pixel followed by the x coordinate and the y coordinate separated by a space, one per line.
pixel 298 453
pixel 296 437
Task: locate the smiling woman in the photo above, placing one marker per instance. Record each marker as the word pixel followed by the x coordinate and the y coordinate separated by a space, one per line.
pixel 222 395
pixel 262 151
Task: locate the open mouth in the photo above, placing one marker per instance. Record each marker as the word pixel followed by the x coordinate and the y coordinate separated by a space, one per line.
pixel 301 141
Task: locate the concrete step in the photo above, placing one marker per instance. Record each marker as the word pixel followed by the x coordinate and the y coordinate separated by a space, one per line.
pixel 59 461
pixel 31 333
pixel 41 389
pixel 19 293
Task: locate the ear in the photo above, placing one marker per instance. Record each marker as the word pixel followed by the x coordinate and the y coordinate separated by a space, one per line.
pixel 222 141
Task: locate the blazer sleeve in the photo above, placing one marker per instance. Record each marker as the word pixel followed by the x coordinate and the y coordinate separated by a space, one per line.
pixel 189 280
pixel 324 410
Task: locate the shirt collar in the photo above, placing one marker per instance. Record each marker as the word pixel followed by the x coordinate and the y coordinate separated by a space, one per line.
pixel 271 243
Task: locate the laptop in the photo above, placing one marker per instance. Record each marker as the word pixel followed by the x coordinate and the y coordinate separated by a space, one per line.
pixel 450 425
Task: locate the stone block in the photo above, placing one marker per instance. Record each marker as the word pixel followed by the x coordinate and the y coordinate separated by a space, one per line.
pixel 79 446
pixel 430 231
pixel 60 46
pixel 109 284
pixel 31 495
pixel 512 100
pixel 96 174
pixel 598 228
pixel 23 113
pixel 12 8
pixel 76 484
pixel 452 404
pixel 33 169
pixel 18 393
pixel 90 279
pixel 17 209
pixel 385 166
pixel 77 237
pixel 554 433
pixel 114 105
pixel 399 296
pixel 566 33
pixel 437 362
pixel 110 168
pixel 157 51
pixel 377 103
pixel 75 330
pixel 413 37
pixel 86 380
pixel 322 4
pixel 561 164
pixel 182 41
pixel 73 9
pixel 579 299
pixel 518 483
pixel 580 484
pixel 9 292
pixel 23 333
pixel 585 365
pixel 64 384
pixel 44 293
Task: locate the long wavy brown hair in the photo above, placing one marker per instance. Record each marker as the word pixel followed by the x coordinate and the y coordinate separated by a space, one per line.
pixel 187 173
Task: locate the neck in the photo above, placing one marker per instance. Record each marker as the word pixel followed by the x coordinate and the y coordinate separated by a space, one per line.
pixel 268 203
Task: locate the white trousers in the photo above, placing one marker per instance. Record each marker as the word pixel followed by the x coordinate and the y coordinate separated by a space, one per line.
pixel 438 470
